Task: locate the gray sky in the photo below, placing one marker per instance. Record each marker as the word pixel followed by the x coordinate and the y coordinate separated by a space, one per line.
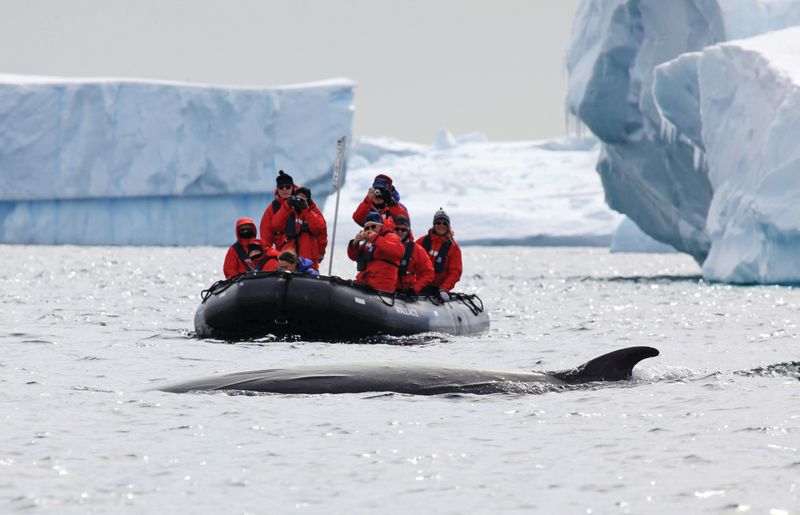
pixel 489 65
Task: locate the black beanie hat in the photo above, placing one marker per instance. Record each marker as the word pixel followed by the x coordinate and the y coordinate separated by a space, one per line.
pixel 283 178
pixel 255 246
pixel 303 190
pixel 441 215
pixel 401 220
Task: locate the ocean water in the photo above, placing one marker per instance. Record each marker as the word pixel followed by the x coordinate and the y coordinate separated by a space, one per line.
pixel 712 425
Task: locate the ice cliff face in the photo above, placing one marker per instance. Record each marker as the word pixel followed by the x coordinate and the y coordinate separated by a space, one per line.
pixel 657 165
pixel 749 106
pixel 615 47
pixel 134 162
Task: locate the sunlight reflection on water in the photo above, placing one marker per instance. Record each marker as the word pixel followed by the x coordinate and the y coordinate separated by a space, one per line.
pixel 708 426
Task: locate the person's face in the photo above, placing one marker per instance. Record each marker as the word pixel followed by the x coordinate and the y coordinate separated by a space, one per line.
pixel 247 231
pixel 285 190
pixel 372 227
pixel 402 231
pixel 441 228
pixel 285 266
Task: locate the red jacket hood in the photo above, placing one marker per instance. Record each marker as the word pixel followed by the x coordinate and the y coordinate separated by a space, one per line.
pixel 240 222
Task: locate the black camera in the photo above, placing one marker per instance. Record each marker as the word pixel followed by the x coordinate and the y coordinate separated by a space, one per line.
pixel 298 203
pixel 382 193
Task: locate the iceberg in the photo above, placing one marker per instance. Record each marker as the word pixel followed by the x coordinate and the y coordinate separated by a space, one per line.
pixel 615 47
pixel 629 238
pixel 115 161
pixel 640 79
pixel 745 112
pixel 496 193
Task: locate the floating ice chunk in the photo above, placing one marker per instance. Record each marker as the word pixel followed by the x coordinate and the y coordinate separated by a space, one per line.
pixel 444 140
pixel 629 238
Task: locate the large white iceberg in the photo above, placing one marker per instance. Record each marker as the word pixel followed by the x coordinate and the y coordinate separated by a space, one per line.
pixel 108 161
pixel 519 193
pixel 656 165
pixel 745 112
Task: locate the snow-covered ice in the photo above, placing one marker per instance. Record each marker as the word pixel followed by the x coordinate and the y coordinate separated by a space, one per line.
pixel 534 193
pixel 117 161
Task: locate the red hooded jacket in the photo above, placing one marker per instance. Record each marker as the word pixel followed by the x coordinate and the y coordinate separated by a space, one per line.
pixel 378 259
pixel 386 212
pixel 448 272
pixel 236 260
pixel 309 228
pixel 273 236
pixel 418 272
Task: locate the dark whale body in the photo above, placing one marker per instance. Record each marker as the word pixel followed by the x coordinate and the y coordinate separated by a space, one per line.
pixel 416 379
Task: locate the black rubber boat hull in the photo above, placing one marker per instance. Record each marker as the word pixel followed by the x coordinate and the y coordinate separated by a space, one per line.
pixel 258 304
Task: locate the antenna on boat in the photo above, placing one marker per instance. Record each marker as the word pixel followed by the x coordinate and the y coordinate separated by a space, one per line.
pixel 338 172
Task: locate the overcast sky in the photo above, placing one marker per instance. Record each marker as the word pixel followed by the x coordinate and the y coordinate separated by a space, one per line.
pixel 495 66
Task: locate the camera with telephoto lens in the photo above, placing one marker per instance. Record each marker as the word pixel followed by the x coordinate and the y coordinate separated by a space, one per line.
pixel 298 203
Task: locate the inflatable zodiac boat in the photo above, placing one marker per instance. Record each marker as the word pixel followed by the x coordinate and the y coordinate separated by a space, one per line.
pixel 257 304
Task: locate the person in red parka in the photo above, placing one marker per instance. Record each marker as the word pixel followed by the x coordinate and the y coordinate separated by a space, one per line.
pixel 285 187
pixel 415 271
pixel 248 253
pixel 305 231
pixel 377 250
pixel 444 253
pixel 262 258
pixel 381 198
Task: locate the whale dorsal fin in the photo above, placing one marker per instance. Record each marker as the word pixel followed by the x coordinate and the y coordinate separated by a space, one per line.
pixel 614 366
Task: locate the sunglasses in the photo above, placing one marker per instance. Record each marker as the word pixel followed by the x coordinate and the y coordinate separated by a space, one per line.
pixel 371 227
pixel 401 229
pixel 285 186
pixel 440 223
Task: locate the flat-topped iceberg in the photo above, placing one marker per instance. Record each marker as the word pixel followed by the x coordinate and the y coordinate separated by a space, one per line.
pixel 115 161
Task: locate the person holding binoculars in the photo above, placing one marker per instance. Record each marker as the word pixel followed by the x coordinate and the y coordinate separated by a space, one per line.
pixel 304 229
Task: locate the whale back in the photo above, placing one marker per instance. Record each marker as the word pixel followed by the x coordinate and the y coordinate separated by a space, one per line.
pixel 614 366
pixel 415 378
